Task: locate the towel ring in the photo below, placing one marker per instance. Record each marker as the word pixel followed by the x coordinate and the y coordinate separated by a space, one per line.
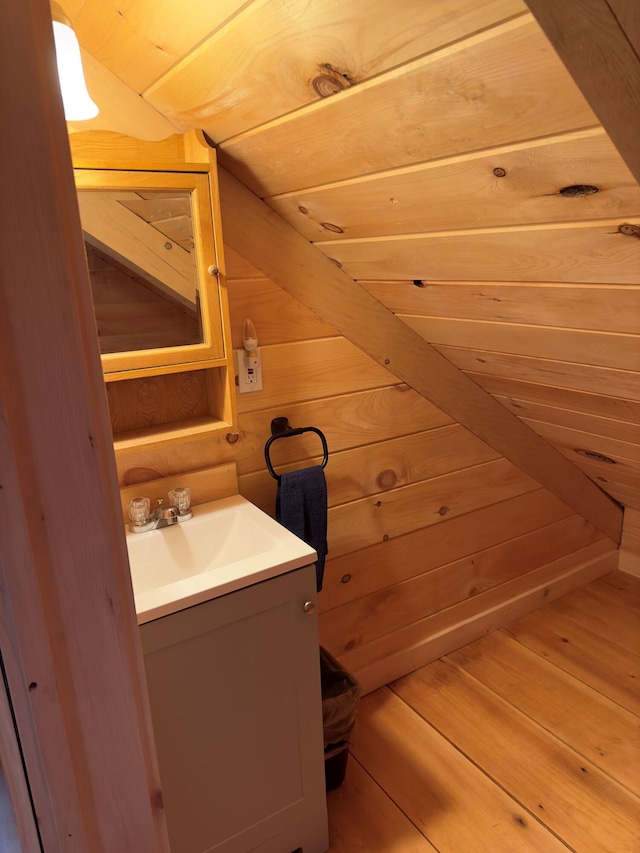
pixel 281 429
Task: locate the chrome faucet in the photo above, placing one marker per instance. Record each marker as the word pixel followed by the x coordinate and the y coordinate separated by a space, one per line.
pixel 164 516
pixel 141 520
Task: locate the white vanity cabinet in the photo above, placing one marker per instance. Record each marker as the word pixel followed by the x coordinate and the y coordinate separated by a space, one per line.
pixel 234 686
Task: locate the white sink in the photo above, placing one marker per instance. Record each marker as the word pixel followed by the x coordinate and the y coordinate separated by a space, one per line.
pixel 227 545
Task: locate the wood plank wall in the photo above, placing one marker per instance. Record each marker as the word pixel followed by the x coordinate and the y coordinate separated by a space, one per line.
pixel 428 526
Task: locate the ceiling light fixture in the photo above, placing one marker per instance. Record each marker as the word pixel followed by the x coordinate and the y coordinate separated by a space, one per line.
pixel 78 105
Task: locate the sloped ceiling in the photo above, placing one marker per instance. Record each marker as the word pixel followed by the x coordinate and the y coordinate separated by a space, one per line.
pixel 423 147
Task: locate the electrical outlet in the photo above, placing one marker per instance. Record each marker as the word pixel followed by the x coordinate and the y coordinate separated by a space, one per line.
pixel 248 370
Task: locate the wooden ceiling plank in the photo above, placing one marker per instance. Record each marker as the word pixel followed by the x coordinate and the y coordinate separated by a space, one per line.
pixel 567 252
pixel 563 374
pixel 506 83
pixel 622 451
pixel 605 308
pixel 582 421
pixel 255 231
pixel 603 59
pixel 276 57
pixel 583 402
pixel 465 192
pixel 139 40
pixel 579 346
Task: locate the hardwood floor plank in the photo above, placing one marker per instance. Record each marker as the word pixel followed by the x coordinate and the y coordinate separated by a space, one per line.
pixel 449 799
pixel 363 819
pixel 605 666
pixel 588 722
pixel 591 812
pixel 619 587
pixel 614 622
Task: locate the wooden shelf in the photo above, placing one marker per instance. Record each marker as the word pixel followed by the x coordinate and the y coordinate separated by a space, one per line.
pixel 163 409
pixel 171 433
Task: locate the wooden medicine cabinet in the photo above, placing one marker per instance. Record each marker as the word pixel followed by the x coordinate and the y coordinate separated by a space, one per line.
pixel 153 267
pixel 150 219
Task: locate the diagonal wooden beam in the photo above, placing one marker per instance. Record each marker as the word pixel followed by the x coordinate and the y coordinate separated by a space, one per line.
pixel 258 233
pixel 599 43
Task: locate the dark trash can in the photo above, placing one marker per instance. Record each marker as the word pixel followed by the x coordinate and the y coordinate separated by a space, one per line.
pixel 340 696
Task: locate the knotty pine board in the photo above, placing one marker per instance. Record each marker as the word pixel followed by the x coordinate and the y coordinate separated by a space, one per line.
pixel 309 370
pixel 393 607
pixel 623 451
pixel 364 522
pixel 578 252
pixel 583 653
pixel 464 192
pixel 571 399
pixel 450 800
pixel 609 427
pixel 364 572
pixel 419 642
pixel 596 307
pixel 294 44
pixel 504 84
pixel 381 466
pixel 559 786
pixel 623 471
pixel 137 53
pixel 278 317
pixel 363 817
pixel 545 371
pixel 604 349
pixel 348 421
pixel 614 622
pixel 619 588
pixel 601 731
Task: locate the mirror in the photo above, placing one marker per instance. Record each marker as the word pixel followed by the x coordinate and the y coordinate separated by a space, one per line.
pixel 149 243
pixel 141 257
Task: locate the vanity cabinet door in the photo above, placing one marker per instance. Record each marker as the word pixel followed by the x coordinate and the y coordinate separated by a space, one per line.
pixel 234 687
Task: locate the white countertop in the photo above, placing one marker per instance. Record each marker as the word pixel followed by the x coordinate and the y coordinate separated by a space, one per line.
pixel 227 545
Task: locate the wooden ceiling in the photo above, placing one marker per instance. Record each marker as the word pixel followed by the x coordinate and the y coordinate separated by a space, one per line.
pixel 423 147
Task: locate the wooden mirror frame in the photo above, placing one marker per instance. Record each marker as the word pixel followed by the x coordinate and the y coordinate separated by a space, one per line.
pixel 212 347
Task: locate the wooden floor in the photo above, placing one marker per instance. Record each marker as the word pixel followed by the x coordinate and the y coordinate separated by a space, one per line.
pixel 526 740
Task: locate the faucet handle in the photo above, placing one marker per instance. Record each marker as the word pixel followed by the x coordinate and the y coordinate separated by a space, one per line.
pixel 139 510
pixel 181 498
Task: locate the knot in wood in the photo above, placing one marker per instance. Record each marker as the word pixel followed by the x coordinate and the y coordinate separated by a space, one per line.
pixel 593 454
pixel 499 173
pixel 387 479
pixel 325 85
pixel 629 230
pixel 578 190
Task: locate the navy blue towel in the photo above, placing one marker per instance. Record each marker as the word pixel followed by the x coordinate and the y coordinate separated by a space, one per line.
pixel 301 507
